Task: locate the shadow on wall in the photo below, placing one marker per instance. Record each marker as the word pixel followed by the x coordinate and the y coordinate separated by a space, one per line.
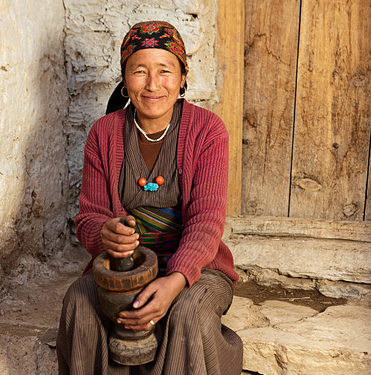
pixel 33 170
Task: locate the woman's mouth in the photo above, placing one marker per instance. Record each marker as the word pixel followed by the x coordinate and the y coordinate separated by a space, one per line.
pixel 152 98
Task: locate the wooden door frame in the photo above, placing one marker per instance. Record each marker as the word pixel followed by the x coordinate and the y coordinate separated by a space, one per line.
pixel 230 88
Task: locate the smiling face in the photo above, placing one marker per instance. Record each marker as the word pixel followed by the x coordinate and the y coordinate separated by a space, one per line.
pixel 153 79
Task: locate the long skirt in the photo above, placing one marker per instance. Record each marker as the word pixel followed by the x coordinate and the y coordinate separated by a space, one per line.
pixel 194 340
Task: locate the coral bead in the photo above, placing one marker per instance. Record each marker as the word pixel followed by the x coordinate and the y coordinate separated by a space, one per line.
pixel 142 182
pixel 160 180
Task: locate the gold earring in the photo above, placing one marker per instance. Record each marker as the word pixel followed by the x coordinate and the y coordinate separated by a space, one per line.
pixel 182 94
pixel 122 92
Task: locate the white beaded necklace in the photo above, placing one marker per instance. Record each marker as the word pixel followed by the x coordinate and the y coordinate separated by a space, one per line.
pixel 146 136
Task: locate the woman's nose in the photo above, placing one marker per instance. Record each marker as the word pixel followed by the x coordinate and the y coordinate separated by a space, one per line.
pixel 153 82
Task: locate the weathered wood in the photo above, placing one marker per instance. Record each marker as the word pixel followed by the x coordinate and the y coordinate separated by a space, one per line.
pixel 144 271
pixel 271 39
pixel 117 292
pixel 229 51
pixel 368 197
pixel 291 227
pixel 333 110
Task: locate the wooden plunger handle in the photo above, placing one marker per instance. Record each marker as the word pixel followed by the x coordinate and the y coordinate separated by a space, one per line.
pixel 123 264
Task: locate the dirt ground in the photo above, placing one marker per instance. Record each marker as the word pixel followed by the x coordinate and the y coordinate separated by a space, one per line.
pixel 38 301
pixel 309 298
pixel 36 304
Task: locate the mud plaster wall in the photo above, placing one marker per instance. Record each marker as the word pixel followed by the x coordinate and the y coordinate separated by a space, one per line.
pixel 94 32
pixel 59 63
pixel 33 106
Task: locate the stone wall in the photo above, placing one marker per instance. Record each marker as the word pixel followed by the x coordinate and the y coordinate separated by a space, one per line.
pixel 33 103
pixel 94 32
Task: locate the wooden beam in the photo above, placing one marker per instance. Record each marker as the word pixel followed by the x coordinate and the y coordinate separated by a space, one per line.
pixel 230 80
pixel 304 228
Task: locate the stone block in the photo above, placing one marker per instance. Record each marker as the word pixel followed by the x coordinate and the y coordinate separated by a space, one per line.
pixel 270 278
pixel 339 289
pixel 244 314
pixel 305 258
pixel 300 341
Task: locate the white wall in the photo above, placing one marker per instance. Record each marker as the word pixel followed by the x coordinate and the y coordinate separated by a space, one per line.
pixel 33 106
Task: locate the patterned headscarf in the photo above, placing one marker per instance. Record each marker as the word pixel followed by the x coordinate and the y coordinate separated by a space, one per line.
pixel 153 34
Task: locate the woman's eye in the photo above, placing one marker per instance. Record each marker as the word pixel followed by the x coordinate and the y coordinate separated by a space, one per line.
pixel 165 71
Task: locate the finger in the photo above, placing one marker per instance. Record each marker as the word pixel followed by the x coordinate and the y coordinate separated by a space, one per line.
pixel 145 327
pixel 139 319
pixel 141 316
pixel 138 322
pixel 120 251
pixel 144 296
pixel 145 323
pixel 128 220
pixel 118 227
pixel 119 238
pixel 146 306
pixel 119 255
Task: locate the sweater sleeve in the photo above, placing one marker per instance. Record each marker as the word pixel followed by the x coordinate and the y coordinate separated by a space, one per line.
pixel 94 204
pixel 204 213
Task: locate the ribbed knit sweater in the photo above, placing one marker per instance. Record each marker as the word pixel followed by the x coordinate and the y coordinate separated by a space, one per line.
pixel 202 162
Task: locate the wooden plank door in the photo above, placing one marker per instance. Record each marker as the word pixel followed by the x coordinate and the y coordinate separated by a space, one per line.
pixel 368 196
pixel 333 111
pixel 307 109
pixel 271 39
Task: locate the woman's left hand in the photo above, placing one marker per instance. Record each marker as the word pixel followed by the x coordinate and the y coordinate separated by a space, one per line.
pixel 159 294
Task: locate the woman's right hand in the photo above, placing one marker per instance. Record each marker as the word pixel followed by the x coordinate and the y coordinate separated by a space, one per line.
pixel 119 240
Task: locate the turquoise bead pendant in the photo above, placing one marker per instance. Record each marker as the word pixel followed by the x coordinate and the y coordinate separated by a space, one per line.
pixel 151 187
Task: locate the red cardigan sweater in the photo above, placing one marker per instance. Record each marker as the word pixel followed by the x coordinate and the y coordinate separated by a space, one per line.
pixel 202 162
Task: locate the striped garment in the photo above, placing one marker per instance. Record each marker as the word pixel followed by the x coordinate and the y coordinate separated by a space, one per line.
pixel 160 230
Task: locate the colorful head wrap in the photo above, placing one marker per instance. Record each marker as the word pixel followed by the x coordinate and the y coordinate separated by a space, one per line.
pixel 153 34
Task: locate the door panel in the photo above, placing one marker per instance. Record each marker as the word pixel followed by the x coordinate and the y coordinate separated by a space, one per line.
pixel 271 38
pixel 332 127
pixel 307 109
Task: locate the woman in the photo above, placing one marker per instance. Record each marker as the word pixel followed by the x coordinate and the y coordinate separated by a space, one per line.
pixel 161 166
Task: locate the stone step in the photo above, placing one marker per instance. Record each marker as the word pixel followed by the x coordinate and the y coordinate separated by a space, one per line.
pixel 281 338
pixel 305 258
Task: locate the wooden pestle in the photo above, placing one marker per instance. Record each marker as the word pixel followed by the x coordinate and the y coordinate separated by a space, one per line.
pixel 122 264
